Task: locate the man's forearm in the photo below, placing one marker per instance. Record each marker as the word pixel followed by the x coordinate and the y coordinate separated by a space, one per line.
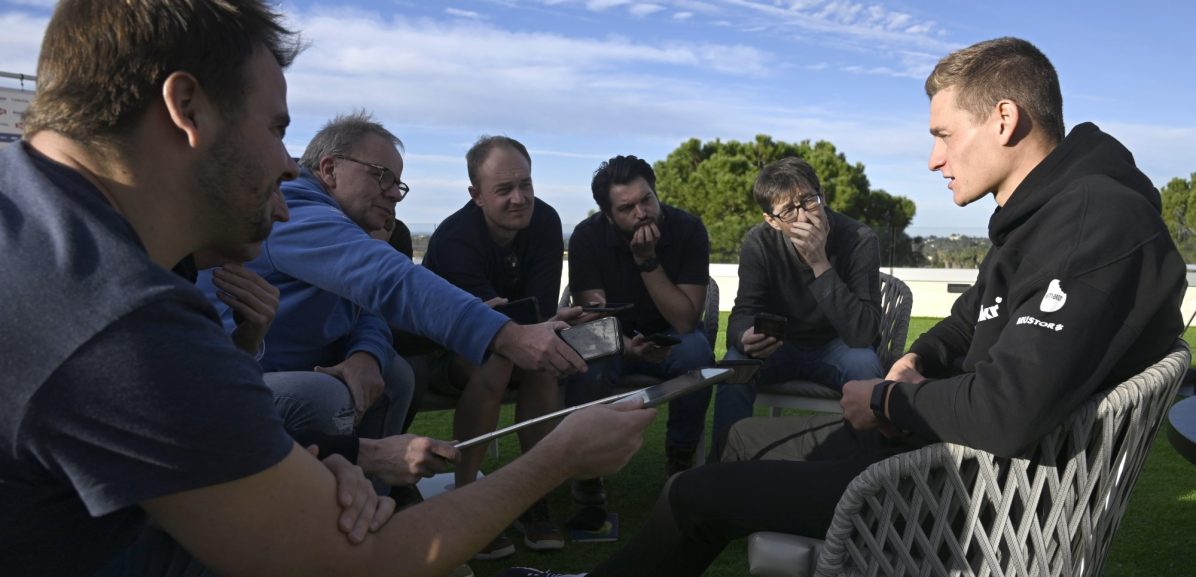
pixel 673 303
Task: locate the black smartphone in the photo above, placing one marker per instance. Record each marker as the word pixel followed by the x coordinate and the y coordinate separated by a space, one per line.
pixel 609 308
pixel 742 369
pixel 663 340
pixel 595 339
pixel 771 325
pixel 525 311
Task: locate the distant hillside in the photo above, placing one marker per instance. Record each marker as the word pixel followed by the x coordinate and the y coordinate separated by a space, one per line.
pixel 954 251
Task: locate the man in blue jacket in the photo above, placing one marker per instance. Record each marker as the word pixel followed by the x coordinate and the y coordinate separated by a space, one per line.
pixel 339 289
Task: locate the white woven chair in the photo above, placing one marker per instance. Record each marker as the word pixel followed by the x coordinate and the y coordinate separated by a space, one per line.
pixel 896 300
pixel 951 510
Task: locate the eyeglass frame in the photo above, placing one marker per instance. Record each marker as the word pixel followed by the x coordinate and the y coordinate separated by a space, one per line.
pixel 803 202
pixel 382 172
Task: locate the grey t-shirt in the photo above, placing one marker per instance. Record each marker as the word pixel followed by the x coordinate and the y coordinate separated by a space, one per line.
pixel 117 381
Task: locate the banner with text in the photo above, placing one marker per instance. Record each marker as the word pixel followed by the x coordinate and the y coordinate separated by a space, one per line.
pixel 13 103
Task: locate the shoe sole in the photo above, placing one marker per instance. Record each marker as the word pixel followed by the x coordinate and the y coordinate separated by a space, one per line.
pixel 544 544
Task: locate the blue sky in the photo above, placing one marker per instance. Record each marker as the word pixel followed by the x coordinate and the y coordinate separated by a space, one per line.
pixel 579 81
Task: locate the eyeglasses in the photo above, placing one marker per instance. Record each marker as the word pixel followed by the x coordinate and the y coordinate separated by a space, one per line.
pixel 807 202
pixel 386 178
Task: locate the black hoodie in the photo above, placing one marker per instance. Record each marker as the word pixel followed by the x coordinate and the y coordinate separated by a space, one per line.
pixel 1080 291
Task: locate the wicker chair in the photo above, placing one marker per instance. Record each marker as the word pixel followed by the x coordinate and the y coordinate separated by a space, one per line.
pixel 951 510
pixel 896 300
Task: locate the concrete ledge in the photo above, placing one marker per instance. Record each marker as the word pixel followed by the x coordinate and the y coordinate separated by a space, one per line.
pixel 935 289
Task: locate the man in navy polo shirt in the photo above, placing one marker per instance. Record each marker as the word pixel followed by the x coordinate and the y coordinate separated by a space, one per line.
pixel 657 257
pixel 503 245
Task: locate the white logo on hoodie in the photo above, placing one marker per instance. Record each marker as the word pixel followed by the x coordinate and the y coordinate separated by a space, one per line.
pixel 1054 298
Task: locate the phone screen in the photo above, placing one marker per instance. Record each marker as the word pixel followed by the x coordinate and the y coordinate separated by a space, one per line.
pixel 595 339
pixel 770 324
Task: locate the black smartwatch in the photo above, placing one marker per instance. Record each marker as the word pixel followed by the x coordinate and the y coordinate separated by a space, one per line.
pixel 879 392
pixel 648 265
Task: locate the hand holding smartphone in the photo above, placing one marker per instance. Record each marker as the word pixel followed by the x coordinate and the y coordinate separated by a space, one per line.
pixel 663 340
pixel 595 339
pixel 770 325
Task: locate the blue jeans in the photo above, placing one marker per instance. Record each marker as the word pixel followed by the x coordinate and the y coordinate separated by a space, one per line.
pixel 830 364
pixel 308 400
pixel 687 415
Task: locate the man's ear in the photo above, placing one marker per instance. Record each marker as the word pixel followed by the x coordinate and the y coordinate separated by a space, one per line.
pixel 475 194
pixel 1007 116
pixel 326 172
pixel 189 108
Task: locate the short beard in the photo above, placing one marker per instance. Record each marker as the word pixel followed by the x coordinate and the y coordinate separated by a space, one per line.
pixel 223 181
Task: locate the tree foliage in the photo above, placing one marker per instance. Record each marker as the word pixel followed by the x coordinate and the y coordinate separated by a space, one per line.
pixel 714 181
pixel 1179 212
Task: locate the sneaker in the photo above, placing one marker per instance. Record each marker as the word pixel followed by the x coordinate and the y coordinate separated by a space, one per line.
pixel 529 572
pixel 500 547
pixel 589 492
pixel 539 532
pixel 677 459
pixel 461 571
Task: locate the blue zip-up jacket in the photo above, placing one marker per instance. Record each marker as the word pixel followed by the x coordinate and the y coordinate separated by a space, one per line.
pixel 338 288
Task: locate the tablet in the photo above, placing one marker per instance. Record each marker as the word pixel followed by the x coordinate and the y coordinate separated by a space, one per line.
pixel 742 369
pixel 654 395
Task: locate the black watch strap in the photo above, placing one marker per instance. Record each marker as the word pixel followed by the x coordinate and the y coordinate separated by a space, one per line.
pixel 877 404
pixel 648 265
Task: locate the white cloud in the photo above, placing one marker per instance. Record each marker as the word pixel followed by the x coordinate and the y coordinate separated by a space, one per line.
pixel 21 41
pixel 683 15
pixel 600 5
pixel 462 13
pixel 642 10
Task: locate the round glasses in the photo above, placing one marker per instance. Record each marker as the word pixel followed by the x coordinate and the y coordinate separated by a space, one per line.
pixel 807 202
pixel 386 178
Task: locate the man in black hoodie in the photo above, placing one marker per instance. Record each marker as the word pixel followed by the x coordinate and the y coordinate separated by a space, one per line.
pixel 1080 290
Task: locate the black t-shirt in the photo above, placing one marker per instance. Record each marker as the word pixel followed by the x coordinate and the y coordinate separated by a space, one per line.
pixel 599 258
pixel 119 383
pixel 462 252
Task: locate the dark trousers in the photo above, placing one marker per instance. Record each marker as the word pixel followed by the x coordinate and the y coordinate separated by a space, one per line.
pixel 703 509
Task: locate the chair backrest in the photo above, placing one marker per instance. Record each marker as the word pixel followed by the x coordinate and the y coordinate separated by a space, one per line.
pixel 709 309
pixel 896 301
pixel 950 510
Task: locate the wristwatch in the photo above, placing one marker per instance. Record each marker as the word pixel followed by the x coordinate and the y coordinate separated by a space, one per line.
pixel 648 265
pixel 879 392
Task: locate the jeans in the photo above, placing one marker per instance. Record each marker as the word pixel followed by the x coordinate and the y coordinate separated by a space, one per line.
pixel 687 415
pixel 308 400
pixel 830 364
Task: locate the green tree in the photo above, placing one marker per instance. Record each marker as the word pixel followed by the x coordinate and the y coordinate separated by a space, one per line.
pixel 1179 212
pixel 714 181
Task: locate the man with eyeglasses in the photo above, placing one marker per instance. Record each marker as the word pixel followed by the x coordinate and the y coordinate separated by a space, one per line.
pixel 817 269
pixel 503 246
pixel 329 355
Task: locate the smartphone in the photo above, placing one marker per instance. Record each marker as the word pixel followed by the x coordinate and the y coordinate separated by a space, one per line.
pixel 595 339
pixel 771 325
pixel 663 340
pixel 609 308
pixel 525 311
pixel 742 370
pixel 653 396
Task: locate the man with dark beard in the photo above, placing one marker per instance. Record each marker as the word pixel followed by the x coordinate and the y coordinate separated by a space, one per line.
pixel 657 257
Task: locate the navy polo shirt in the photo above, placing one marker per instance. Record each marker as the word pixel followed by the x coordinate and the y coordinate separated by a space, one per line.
pixel 600 258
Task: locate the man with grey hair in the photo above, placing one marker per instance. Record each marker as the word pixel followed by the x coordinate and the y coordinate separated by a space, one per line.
pixel 340 290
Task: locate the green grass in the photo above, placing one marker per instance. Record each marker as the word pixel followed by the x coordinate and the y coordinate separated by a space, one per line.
pixel 1155 537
